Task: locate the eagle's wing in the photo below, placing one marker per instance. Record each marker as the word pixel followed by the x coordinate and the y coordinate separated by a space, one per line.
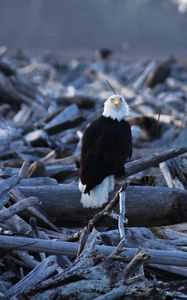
pixel 104 151
pixel 92 171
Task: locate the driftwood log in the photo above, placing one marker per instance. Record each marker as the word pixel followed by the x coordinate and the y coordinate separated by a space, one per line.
pixel 37 275
pixel 145 205
pixel 138 165
pixel 47 102
pixel 169 257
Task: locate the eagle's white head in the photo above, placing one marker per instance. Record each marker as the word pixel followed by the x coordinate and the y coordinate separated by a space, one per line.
pixel 116 108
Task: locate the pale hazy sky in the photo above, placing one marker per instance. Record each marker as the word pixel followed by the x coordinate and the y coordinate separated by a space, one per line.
pixel 133 26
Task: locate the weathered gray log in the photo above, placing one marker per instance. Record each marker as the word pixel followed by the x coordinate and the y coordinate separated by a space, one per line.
pixel 9 183
pixel 28 259
pixel 65 169
pixel 160 74
pixel 115 293
pixel 146 73
pixel 82 268
pixel 173 174
pixel 151 160
pixel 172 181
pixel 68 118
pixel 18 225
pixel 142 237
pixel 174 258
pixel 7 213
pixel 16 91
pixel 37 169
pixel 39 214
pixel 23 115
pixel 38 181
pixel 171 269
pixel 39 273
pixel 145 205
pixel 82 101
pixel 36 137
pixel 23 172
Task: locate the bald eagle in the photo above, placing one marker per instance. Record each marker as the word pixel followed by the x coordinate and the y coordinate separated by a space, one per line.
pixel 106 145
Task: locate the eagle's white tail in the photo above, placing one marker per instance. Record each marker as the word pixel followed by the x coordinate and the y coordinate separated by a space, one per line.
pixel 99 195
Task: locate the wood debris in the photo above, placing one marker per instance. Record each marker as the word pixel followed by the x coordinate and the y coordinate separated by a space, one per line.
pixel 50 246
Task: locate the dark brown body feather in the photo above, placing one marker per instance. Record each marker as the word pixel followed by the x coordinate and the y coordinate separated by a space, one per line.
pixel 106 145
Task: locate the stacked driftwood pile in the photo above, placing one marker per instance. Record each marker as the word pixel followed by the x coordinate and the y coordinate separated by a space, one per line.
pixel 50 246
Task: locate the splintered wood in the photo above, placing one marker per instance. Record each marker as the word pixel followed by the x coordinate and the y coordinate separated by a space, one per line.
pixel 50 246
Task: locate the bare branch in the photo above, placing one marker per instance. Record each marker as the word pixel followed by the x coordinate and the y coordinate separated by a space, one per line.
pixel 7 213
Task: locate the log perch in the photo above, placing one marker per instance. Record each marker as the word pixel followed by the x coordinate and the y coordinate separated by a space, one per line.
pixel 145 205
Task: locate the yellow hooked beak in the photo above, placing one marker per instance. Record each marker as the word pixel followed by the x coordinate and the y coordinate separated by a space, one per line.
pixel 117 102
